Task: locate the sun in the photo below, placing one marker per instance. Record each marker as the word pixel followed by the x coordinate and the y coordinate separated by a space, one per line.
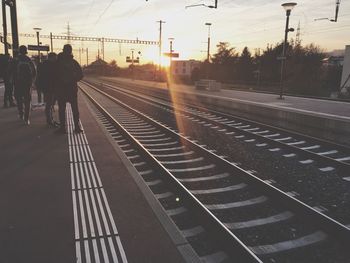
pixel 151 55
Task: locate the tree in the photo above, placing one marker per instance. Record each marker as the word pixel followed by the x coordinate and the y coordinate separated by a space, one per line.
pixel 270 66
pixel 304 70
pixel 245 65
pixel 224 62
pixel 224 54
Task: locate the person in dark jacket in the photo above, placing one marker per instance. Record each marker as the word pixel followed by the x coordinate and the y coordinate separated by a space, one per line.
pixel 6 66
pixel 69 73
pixel 47 82
pixel 24 76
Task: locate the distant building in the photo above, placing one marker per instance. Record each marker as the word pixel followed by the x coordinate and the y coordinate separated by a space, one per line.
pixel 184 68
pixel 345 82
pixel 333 61
pixel 336 53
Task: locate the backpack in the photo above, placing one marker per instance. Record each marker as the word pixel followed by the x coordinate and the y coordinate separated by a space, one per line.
pixel 68 72
pixel 24 72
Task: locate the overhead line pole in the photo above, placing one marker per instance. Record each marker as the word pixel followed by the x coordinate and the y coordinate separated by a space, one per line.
pixel 51 41
pixel 4 23
pixel 14 27
pixel 103 48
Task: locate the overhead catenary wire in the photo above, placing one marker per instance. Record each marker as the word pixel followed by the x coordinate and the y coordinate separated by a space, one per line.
pixel 103 12
pixel 90 8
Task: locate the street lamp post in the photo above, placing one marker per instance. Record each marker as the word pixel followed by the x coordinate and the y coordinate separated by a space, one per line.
pixel 288 7
pixel 37 30
pixel 208 51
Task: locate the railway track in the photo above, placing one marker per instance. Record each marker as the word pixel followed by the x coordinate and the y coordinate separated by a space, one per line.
pixel 245 218
pixel 314 178
pixel 331 155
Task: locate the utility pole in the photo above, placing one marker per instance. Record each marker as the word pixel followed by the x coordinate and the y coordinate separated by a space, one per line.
pixel 160 44
pixel 68 33
pixel 208 51
pixel 14 26
pixel 4 23
pixel 37 30
pixel 80 56
pixel 103 48
pixel 297 38
pixel 87 57
pixel 51 41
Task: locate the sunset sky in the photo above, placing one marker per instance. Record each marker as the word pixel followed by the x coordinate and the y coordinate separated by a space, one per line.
pixel 252 23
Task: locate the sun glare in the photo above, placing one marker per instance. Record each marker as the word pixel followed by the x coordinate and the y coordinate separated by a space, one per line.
pixel 152 55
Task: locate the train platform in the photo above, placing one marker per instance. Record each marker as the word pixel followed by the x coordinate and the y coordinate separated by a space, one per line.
pixel 325 119
pixel 321 107
pixel 76 198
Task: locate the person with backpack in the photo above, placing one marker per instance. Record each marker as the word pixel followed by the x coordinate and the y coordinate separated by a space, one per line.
pixel 24 76
pixel 6 75
pixel 47 82
pixel 69 73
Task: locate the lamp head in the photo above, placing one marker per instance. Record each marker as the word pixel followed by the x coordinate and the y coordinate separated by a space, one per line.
pixel 208 24
pixel 37 29
pixel 289 6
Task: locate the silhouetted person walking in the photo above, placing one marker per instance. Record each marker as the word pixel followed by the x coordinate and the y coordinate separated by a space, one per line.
pixel 6 73
pixel 47 82
pixel 69 73
pixel 24 75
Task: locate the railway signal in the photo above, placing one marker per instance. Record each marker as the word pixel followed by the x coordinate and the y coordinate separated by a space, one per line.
pixel 39 48
pixel 171 55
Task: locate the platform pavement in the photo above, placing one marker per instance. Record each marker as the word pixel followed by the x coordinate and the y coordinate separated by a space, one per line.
pixel 332 108
pixel 326 119
pixel 38 202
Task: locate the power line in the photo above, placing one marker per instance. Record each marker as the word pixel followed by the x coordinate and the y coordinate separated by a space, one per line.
pixel 330 30
pixel 104 11
pixel 91 5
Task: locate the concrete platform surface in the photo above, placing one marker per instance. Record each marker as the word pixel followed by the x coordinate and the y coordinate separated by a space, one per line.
pixel 324 119
pixel 67 198
pixel 330 108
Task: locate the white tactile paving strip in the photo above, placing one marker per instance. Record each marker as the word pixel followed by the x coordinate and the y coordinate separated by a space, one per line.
pixel 96 235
